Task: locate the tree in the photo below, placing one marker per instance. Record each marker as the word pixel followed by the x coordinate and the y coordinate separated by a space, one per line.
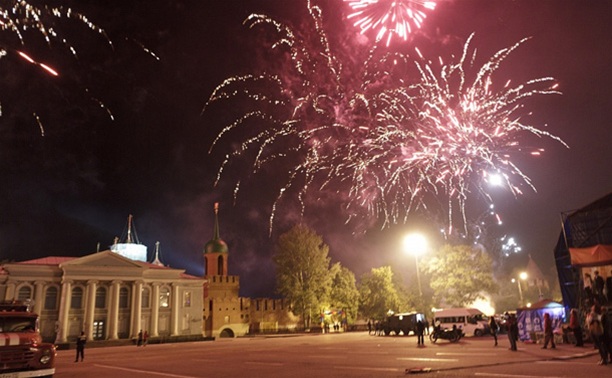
pixel 302 271
pixel 344 294
pixel 378 294
pixel 460 275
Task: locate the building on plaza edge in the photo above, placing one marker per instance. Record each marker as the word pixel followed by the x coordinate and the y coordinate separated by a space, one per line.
pixel 113 296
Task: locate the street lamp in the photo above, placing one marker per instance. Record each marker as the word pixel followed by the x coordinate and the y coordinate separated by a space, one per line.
pixel 416 245
pixel 522 276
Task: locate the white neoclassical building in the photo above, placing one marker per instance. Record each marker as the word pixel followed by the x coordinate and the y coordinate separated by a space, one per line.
pixel 108 296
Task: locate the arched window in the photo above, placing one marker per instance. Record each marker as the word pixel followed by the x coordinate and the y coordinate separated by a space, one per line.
pixel 164 297
pixel 51 298
pixel 146 295
pixel 101 297
pixel 124 297
pixel 25 293
pixel 220 265
pixel 76 300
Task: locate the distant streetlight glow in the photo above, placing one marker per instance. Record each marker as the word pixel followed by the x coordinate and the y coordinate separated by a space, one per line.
pixel 522 276
pixel 416 245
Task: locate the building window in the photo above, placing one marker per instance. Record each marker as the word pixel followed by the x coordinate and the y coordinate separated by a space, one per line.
pixel 220 265
pixel 51 298
pixel 187 299
pixel 124 297
pixel 164 297
pixel 146 295
pixel 25 293
pixel 101 297
pixel 76 300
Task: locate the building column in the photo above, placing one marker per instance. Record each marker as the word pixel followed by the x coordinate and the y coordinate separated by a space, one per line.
pixel 64 310
pixel 136 308
pixel 90 308
pixel 39 296
pixel 10 291
pixel 174 319
pixel 155 310
pixel 113 307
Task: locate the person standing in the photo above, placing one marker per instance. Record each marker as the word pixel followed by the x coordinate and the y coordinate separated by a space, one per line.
pixel 512 327
pixel 548 332
pixel 606 323
pixel 599 284
pixel 493 326
pixel 420 330
pixel 139 340
pixel 369 326
pixel 80 347
pixel 575 326
pixel 145 338
pixel 609 287
pixel 588 286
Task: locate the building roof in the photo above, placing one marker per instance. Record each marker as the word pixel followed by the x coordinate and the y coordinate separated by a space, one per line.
pixel 49 260
pixel 216 245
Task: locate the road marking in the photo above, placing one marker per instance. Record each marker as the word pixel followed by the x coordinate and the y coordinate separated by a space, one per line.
pixel 145 371
pixel 366 368
pixel 464 354
pixel 428 359
pixel 506 375
pixel 264 363
pixel 327 356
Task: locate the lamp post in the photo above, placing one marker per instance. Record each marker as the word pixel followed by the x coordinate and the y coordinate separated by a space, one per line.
pixel 522 276
pixel 416 245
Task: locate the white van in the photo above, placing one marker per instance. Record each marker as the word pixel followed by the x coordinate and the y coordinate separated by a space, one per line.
pixel 472 321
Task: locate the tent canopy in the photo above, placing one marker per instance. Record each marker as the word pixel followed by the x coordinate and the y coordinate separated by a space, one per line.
pixel 542 304
pixel 596 255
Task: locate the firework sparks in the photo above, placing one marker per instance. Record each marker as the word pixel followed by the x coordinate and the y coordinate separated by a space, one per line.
pixel 18 18
pixel 389 17
pixel 387 144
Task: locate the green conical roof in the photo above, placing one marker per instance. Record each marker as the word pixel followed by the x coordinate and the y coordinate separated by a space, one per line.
pixel 216 245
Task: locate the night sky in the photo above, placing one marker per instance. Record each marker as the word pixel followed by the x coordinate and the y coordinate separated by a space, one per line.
pixel 63 192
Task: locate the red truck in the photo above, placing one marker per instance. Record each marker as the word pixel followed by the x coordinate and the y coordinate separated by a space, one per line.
pixel 22 352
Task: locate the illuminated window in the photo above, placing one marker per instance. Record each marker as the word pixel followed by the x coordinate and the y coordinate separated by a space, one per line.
pixel 25 293
pixel 101 297
pixel 187 299
pixel 146 294
pixel 76 300
pixel 164 297
pixel 51 298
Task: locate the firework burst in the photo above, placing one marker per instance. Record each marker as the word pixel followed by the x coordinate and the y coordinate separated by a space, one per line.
pixel 389 134
pixel 388 18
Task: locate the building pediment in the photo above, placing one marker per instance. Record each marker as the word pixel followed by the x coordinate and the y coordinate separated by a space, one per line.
pixel 103 259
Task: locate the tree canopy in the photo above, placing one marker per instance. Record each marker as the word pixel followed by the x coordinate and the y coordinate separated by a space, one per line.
pixel 344 294
pixel 303 273
pixel 378 294
pixel 460 275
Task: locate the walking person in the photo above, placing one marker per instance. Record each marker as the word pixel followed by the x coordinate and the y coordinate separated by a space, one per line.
pixel 596 331
pixel 494 328
pixel 80 347
pixel 139 340
pixel 576 327
pixel 420 329
pixel 548 332
pixel 369 326
pixel 145 338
